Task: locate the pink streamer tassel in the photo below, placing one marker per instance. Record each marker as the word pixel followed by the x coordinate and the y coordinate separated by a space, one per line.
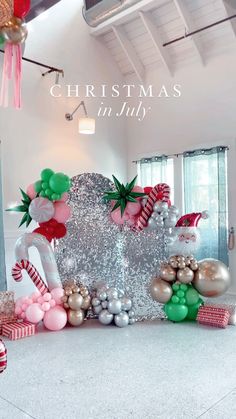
pixel 12 56
pixel 6 75
pixel 17 52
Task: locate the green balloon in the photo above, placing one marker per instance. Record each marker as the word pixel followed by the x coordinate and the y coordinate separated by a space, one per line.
pixel 55 197
pixel 45 185
pixel 38 186
pixel 182 301
pixel 2 41
pixel 175 287
pixel 191 296
pixel 48 192
pixel 175 299
pixel 46 174
pixel 183 287
pixel 180 293
pixel 176 312
pixel 59 183
pixel 193 310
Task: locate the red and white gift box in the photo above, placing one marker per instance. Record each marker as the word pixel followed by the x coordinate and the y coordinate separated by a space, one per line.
pixel 18 330
pixel 213 316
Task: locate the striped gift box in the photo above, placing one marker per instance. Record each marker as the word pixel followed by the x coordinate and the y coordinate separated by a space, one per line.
pixel 3 357
pixel 225 301
pixel 213 316
pixel 18 330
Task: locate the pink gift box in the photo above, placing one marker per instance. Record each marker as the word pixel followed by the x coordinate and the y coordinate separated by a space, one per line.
pixel 18 330
pixel 213 316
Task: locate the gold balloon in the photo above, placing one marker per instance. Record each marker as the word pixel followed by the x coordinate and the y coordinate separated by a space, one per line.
pixel 167 273
pixel 181 265
pixel 212 278
pixel 15 31
pixel 86 303
pixel 75 301
pixel 160 290
pixel 194 265
pixel 185 275
pixel 75 317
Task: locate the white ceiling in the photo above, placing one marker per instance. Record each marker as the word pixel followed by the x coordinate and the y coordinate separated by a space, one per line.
pixel 135 37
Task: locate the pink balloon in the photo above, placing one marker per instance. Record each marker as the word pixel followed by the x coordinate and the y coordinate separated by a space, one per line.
pixel 18 310
pixel 133 208
pixel 34 313
pixel 62 212
pixel 20 301
pixel 55 319
pixel 52 303
pixel 57 294
pixel 64 197
pixel 31 191
pixel 138 189
pixel 24 306
pixel 40 300
pixel 116 216
pixel 45 306
pixel 22 315
pixel 47 296
pixel 35 296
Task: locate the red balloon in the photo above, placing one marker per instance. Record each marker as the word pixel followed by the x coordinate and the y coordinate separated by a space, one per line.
pixel 21 8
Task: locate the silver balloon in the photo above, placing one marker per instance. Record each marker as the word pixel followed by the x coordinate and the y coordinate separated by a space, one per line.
pixel 95 302
pixel 212 278
pixel 174 210
pixel 185 275
pixel 159 223
pixel 112 293
pixel 165 214
pixel 154 215
pixel 131 313
pixel 114 306
pixel 126 303
pixel 132 320
pixel 159 218
pixel 157 206
pixel 101 295
pixel 160 290
pixel 122 319
pixel 163 206
pixel 104 304
pixel 100 285
pixel 105 317
pixel 97 309
pixel 170 221
pixel 152 224
pixel 121 293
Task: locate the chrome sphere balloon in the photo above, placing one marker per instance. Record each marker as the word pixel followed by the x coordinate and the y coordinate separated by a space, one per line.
pixel 97 309
pixel 122 319
pixel 167 272
pixel 105 317
pixel 15 31
pixel 157 207
pixel 151 224
pixel 75 317
pixel 212 278
pixel 160 290
pixel 170 221
pixel 185 275
pixel 112 293
pixel 114 306
pixel 126 303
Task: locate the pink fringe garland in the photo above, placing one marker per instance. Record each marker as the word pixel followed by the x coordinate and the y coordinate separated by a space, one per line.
pixel 12 56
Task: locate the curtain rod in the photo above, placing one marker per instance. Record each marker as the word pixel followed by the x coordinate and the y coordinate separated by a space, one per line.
pixel 50 68
pixel 199 30
pixel 181 154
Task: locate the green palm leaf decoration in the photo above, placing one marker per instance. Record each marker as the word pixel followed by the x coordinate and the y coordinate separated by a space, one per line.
pixel 123 194
pixel 23 208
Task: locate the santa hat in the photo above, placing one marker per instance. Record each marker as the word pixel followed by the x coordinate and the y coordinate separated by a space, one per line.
pixel 191 220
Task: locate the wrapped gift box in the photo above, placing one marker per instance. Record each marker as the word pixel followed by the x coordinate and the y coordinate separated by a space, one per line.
pixel 18 330
pixel 213 316
pixel 225 301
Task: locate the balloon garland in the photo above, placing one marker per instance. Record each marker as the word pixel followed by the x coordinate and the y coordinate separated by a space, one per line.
pixel 13 33
pixel 182 280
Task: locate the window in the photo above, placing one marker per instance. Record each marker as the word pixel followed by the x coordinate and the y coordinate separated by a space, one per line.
pixel 2 249
pixel 200 179
pixel 157 169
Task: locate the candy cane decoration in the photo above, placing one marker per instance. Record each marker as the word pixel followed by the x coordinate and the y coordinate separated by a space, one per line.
pixel 46 255
pixel 3 357
pixel 164 190
pixel 32 272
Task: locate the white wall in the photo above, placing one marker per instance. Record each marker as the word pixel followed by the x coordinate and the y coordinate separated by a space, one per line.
pixel 38 136
pixel 203 116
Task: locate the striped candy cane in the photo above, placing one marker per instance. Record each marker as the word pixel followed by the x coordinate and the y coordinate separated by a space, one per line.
pixel 32 272
pixel 3 357
pixel 161 189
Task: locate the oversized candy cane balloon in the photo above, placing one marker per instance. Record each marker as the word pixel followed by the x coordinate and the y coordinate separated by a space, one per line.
pixel 46 255
pixel 33 274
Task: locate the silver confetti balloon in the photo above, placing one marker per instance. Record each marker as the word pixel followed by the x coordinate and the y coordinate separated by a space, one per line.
pixel 122 319
pixel 114 306
pixel 105 317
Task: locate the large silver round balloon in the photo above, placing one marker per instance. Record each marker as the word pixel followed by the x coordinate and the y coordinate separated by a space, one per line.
pixel 160 290
pixel 122 319
pixel 105 317
pixel 185 275
pixel 114 306
pixel 167 273
pixel 212 278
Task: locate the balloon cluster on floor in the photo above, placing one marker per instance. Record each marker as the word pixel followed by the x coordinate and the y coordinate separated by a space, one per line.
pixel 182 282
pixel 113 306
pixel 76 301
pixel 45 203
pixel 13 33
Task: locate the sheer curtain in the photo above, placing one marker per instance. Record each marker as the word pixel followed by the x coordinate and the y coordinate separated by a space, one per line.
pixel 205 188
pixel 3 282
pixel 157 169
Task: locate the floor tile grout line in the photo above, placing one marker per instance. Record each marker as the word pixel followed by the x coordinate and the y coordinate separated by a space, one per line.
pixel 18 408
pixel 216 403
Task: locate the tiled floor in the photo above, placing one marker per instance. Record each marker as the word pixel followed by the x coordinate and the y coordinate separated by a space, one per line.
pixel 146 371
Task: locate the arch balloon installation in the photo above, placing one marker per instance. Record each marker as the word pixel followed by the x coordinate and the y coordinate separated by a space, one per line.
pixel 13 33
